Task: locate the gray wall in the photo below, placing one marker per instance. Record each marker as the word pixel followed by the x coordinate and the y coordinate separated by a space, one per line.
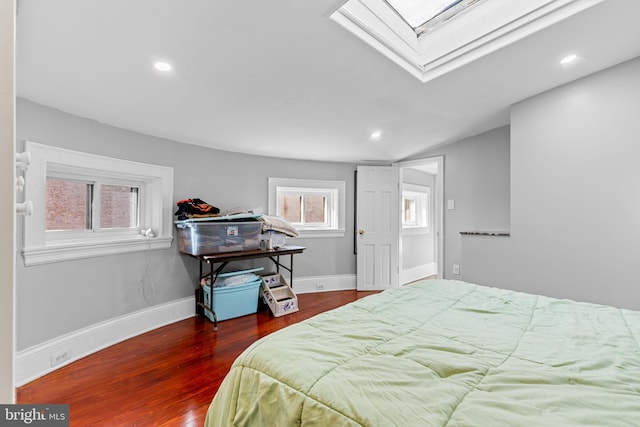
pixel 476 176
pixel 576 188
pixel 575 195
pixel 59 298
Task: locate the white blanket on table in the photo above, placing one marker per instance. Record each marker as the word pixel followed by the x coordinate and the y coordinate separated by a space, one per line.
pixel 278 224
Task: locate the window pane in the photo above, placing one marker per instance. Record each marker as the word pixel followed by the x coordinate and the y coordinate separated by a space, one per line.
pixel 409 211
pixel 419 14
pixel 290 208
pixel 118 206
pixel 67 205
pixel 315 209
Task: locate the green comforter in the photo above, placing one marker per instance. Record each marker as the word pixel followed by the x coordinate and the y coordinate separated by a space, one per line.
pixel 441 353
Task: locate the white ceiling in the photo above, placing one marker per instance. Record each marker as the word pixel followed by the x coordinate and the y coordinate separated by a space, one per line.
pixel 279 78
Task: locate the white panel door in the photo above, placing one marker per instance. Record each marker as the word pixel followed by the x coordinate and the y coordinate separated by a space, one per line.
pixel 377 227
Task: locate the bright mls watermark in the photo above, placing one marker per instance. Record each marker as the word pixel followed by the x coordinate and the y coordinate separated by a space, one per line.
pixel 34 415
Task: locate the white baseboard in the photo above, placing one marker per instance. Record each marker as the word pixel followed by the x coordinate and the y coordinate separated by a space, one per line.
pixel 36 361
pixel 411 274
pixel 305 285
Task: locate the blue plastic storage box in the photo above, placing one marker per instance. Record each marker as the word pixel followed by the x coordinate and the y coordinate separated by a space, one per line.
pixel 233 301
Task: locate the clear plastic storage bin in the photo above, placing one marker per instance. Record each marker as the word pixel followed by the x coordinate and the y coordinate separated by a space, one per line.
pixel 201 238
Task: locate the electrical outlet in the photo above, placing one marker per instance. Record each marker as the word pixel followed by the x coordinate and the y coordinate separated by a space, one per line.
pixel 456 269
pixel 319 286
pixel 60 357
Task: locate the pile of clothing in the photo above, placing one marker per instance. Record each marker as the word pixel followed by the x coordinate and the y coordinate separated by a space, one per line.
pixel 195 208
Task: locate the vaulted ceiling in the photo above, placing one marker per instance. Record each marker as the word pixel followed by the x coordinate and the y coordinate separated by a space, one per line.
pixel 281 78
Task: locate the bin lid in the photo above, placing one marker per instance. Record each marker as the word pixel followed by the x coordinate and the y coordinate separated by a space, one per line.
pixel 228 218
pixel 235 273
pixel 236 278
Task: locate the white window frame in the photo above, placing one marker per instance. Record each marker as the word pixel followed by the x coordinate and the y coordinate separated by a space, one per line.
pixel 336 203
pixel 54 171
pixel 155 205
pixel 422 195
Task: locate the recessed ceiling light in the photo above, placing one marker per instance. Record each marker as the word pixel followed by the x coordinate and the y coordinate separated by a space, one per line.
pixel 162 66
pixel 375 135
pixel 568 59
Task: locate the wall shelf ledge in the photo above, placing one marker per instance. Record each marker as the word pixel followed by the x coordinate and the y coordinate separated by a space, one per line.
pixel 486 233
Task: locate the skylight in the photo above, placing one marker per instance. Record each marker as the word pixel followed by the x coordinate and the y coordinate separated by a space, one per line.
pixel 423 38
pixel 424 14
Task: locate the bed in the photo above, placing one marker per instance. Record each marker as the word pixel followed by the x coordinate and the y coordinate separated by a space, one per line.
pixel 441 353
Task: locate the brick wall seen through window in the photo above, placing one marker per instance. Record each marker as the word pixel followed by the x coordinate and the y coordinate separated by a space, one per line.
pixel 68 205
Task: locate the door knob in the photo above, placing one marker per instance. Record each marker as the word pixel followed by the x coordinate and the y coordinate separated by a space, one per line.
pixel 361 232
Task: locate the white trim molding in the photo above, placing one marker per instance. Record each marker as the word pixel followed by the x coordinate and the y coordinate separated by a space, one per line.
pixel 306 285
pixel 336 200
pixel 412 274
pixel 156 206
pixel 46 255
pixel 36 361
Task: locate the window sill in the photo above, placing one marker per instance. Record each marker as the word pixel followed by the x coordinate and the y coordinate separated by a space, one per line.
pixel 320 233
pixel 78 250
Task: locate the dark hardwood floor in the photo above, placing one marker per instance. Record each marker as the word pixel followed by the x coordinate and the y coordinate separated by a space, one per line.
pixel 165 377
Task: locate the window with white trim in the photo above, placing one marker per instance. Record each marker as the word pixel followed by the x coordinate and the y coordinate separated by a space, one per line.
pixel 86 205
pixel 422 15
pixel 315 207
pixel 76 206
pixel 415 206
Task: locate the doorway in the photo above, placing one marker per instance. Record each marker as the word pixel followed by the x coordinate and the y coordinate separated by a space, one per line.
pixel 421 219
pixel 393 248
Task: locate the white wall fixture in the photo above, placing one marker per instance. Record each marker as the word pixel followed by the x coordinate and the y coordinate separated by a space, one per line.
pixel 25 208
pixel 23 160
